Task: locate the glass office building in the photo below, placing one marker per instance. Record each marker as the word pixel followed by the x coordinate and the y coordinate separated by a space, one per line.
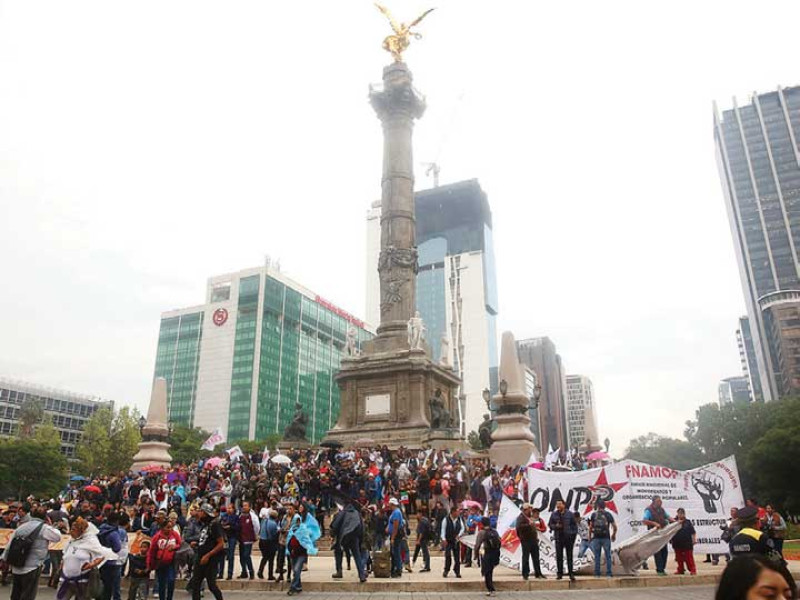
pixel 261 344
pixel 456 285
pixel 759 163
pixel 69 411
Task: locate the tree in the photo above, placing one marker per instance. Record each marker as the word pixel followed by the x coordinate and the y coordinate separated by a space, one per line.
pixel 47 433
pixel 125 438
pixel 185 444
pixel 32 466
pixel 31 414
pixel 272 440
pixel 659 450
pixel 109 442
pixel 774 469
pixel 95 444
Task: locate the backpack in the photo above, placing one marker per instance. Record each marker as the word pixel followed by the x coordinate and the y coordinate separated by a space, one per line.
pixel 600 525
pixel 20 547
pixel 491 540
pixel 437 488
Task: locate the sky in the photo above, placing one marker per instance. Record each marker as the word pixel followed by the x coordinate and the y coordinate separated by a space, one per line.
pixel 146 146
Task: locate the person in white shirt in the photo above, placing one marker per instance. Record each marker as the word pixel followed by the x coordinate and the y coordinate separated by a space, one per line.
pixel 82 553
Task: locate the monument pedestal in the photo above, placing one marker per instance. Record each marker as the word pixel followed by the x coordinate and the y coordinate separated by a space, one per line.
pixel 512 441
pixel 385 397
pixel 154 449
pixel 284 446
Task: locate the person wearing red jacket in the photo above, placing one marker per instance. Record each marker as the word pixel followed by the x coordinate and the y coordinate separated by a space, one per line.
pixel 161 559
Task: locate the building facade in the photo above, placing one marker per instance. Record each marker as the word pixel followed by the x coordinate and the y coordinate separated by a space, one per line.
pixel 759 163
pixel 747 356
pixel 734 390
pixel 540 356
pixel 582 413
pixel 456 285
pixel 69 411
pixel 260 344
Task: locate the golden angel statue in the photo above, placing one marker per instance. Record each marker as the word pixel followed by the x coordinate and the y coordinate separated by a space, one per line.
pixel 397 43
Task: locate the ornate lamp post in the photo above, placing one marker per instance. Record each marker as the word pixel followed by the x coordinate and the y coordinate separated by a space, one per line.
pixel 142 424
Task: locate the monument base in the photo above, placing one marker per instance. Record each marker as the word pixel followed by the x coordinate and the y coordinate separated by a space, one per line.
pixel 385 398
pixel 152 453
pixel 284 446
pixel 512 441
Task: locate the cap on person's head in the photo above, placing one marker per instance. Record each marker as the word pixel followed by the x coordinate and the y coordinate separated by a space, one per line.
pixel 207 508
pixel 748 513
pixel 394 502
pixel 526 506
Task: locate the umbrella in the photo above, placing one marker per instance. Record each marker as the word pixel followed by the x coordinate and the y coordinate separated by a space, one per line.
pixel 331 444
pixel 536 465
pixel 470 504
pixel 598 456
pixel 92 488
pixel 281 459
pixel 152 469
pixel 78 478
pixel 212 462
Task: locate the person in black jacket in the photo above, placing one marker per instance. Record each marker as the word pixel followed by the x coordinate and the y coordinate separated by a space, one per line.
pixel 565 530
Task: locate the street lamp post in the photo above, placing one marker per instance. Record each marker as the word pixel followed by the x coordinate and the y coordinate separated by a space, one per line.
pixel 142 424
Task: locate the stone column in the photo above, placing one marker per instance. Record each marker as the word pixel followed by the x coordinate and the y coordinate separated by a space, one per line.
pixel 397 105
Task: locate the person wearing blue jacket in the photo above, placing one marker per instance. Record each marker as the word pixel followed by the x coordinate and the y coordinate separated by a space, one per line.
pixel 110 572
pixel 565 530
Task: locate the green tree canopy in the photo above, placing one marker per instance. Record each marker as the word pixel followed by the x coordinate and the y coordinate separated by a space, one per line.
pixel 109 442
pixel 185 444
pixel 659 450
pixel 32 465
pixel 31 414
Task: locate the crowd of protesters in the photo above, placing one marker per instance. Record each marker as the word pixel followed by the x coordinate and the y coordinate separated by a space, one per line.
pixel 196 520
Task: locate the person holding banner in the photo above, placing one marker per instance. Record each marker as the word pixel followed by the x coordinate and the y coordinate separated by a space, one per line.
pixel 602 531
pixel 565 530
pixel 527 527
pixel 655 517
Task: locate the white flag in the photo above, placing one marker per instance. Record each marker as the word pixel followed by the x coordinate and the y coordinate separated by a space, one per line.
pixel 551 458
pixel 213 440
pixel 235 453
pixel 265 456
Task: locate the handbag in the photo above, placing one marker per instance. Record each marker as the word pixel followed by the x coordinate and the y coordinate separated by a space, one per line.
pixel 94 588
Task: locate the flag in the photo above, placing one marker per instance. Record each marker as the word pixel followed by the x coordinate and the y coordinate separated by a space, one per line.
pixel 213 440
pixel 235 453
pixel 265 456
pixel 551 458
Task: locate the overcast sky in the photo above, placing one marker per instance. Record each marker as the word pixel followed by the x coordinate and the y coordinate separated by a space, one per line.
pixel 145 146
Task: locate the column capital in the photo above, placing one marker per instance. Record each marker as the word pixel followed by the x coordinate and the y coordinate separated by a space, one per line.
pixel 396 96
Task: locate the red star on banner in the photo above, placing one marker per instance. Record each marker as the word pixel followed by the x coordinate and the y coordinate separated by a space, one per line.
pixel 602 490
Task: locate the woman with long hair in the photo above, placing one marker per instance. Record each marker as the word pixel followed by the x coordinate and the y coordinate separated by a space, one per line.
pixel 300 543
pixel 756 577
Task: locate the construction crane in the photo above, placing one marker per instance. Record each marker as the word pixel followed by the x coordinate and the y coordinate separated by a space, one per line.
pixel 434 167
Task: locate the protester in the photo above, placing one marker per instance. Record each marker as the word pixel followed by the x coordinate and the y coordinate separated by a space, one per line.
pixel 161 559
pixel 565 530
pixel 82 553
pixel 347 529
pixel 26 566
pixel 396 531
pixel 268 544
pixel 602 531
pixel 774 526
pixel 109 537
pixel 300 542
pixel 683 543
pixel 210 549
pixel 755 577
pixel 452 529
pixel 249 530
pixel 527 527
pixel 229 521
pixel 583 533
pixel 655 517
pixel 424 538
pixel 139 573
pixel 490 540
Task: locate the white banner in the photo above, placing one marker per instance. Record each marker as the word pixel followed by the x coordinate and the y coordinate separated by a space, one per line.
pixel 706 494
pixel 213 440
pixel 234 453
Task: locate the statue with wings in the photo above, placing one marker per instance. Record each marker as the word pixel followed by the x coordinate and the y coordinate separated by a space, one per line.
pixel 397 43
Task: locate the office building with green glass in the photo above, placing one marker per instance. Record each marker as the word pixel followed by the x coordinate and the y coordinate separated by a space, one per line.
pixel 260 344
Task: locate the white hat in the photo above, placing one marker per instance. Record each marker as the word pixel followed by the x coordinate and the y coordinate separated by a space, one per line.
pixel 394 502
